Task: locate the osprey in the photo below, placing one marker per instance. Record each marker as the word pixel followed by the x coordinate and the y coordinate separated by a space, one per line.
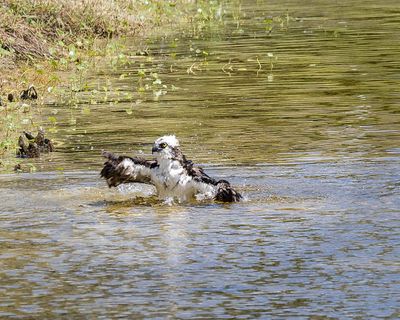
pixel 170 172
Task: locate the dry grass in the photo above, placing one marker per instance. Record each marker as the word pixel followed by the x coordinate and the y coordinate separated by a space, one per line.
pixel 18 40
pixel 43 31
pixel 32 28
pixel 40 31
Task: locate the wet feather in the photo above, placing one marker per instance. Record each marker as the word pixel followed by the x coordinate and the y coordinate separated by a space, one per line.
pixel 173 175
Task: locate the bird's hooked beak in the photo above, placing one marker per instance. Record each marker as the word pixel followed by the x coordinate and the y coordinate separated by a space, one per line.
pixel 155 149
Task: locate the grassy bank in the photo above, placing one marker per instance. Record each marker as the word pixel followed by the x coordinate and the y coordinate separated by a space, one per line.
pixel 38 38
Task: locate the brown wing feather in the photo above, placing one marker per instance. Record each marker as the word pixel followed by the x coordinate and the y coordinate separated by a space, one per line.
pixel 196 173
pixel 225 193
pixel 124 169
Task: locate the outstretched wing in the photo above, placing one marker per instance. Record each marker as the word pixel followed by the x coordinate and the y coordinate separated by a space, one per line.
pixel 195 172
pixel 199 175
pixel 224 193
pixel 123 169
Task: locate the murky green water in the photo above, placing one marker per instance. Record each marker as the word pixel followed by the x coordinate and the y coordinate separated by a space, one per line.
pixel 312 143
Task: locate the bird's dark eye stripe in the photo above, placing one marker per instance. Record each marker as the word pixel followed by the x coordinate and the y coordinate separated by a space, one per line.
pixel 163 145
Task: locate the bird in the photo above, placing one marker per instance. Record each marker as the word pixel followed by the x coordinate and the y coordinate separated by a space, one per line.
pixel 29 93
pixel 170 172
pixel 35 145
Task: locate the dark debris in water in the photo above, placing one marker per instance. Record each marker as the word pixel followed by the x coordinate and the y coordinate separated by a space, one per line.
pixel 31 146
pixel 10 97
pixel 29 94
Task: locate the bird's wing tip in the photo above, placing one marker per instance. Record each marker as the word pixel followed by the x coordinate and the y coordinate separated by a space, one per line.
pixel 107 154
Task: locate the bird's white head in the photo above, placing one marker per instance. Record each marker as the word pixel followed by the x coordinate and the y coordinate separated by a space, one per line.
pixel 165 147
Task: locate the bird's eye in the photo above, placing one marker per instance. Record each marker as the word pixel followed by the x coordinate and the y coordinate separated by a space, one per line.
pixel 163 145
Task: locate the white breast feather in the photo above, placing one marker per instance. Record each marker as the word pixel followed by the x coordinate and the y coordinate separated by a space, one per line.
pixel 172 182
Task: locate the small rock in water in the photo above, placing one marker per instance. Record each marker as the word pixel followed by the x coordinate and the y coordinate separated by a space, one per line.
pixel 34 146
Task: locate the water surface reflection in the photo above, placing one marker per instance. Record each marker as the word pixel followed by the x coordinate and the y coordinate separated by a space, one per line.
pixel 312 143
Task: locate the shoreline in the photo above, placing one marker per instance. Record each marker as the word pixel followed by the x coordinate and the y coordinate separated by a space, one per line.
pixel 40 39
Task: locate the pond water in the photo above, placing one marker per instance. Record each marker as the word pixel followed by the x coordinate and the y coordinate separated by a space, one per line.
pixel 296 104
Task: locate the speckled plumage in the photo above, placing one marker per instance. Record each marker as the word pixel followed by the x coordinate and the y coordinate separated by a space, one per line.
pixel 174 177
